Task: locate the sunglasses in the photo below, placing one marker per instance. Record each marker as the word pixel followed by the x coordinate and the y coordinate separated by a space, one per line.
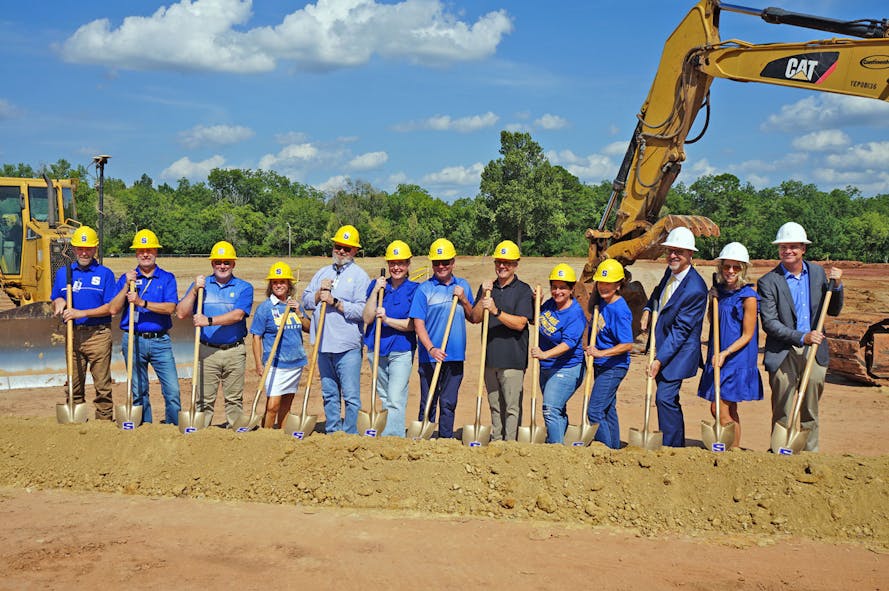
pixel 342 248
pixel 730 267
pixel 223 263
pixel 442 263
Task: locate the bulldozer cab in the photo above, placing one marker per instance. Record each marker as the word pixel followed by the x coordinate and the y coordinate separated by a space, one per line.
pixel 11 230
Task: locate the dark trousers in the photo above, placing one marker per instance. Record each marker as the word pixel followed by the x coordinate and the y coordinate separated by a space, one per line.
pixel 669 412
pixel 445 395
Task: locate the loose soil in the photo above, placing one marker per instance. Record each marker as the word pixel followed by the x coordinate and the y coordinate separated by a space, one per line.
pixel 91 504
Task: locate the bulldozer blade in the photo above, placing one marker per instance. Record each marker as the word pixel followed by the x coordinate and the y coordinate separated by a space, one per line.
pixel 128 419
pixel 189 423
pixel 580 435
pixel 373 428
pixel 421 429
pixel 714 443
pixel 299 426
pixel 650 440
pixel 785 442
pixel 66 414
pixel 476 438
pixel 535 434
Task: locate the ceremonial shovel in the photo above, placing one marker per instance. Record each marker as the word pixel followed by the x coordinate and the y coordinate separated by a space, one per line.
pixel 534 433
pixel 302 425
pixel 476 434
pixel 715 435
pixel 192 420
pixel 372 423
pixel 646 439
pixel 70 412
pixel 582 435
pixel 129 416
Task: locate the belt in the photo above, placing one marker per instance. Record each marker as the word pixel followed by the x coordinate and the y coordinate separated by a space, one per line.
pixel 152 335
pixel 91 326
pixel 224 346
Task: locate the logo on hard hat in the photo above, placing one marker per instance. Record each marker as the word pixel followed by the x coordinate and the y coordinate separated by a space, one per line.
pixel 278 271
pixel 144 240
pixel 83 237
pixel 220 250
pixel 396 250
pixel 604 273
pixel 503 250
pixel 561 273
pixel 439 250
pixel 346 235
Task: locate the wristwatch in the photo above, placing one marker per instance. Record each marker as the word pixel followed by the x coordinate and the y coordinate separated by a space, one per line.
pixel 497 313
pixel 336 302
pixel 209 321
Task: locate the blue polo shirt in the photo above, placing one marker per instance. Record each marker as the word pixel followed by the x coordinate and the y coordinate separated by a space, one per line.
pixel 220 298
pixel 398 305
pixel 616 328
pixel 268 317
pixel 432 304
pixel 91 287
pixel 160 287
pixel 562 326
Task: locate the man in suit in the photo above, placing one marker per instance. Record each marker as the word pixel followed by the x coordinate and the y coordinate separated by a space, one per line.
pixel 681 298
pixel 791 296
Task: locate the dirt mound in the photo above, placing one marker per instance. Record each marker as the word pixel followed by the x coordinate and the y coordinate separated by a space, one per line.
pixel 688 491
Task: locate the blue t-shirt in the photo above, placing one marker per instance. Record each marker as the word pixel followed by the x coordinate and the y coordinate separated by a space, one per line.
pixel 398 305
pixel 91 287
pixel 615 328
pixel 160 287
pixel 266 321
pixel 562 326
pixel 432 304
pixel 219 298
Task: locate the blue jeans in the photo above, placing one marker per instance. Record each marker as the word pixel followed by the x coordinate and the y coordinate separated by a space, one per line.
pixel 392 378
pixel 445 396
pixel 159 353
pixel 603 404
pixel 670 419
pixel 341 384
pixel 558 386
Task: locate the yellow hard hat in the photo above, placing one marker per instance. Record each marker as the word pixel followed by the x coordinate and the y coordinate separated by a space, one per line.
pixel 84 236
pixel 609 271
pixel 398 251
pixel 442 250
pixel 507 251
pixel 347 235
pixel 280 271
pixel 9 219
pixel 145 239
pixel 562 272
pixel 223 251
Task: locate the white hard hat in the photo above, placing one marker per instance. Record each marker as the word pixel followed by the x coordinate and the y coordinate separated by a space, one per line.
pixel 791 232
pixel 734 251
pixel 680 237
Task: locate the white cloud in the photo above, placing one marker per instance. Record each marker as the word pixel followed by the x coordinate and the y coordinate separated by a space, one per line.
pixel 333 184
pixel 184 167
pixel 8 110
pixel 616 149
pixel 288 157
pixel 593 168
pixel 871 155
pixel 699 168
pixel 215 135
pixel 398 178
pixel 368 161
pixel 869 182
pixel 828 111
pixel 549 121
pixel 456 175
pixel 448 123
pixel 821 141
pixel 291 137
pixel 212 35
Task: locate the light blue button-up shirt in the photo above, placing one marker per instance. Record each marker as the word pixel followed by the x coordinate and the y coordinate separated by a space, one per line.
pixel 799 290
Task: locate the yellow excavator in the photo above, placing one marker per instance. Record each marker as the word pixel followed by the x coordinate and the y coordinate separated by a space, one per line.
pixel 856 64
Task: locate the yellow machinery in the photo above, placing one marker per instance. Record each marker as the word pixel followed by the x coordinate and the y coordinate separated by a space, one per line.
pixel 856 64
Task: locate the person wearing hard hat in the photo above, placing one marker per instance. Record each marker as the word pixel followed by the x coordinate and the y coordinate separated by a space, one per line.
pixel 430 310
pixel 791 297
pixel 92 290
pixel 681 301
pixel 398 341
pixel 155 300
pixel 290 357
pixel 560 350
pixel 610 351
pixel 736 353
pixel 341 285
pixel 510 308
pixel 228 301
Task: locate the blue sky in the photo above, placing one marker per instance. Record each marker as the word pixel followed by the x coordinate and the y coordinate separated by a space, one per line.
pixel 412 91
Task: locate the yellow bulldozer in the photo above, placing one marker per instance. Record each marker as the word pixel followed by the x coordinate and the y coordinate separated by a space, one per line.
pixel 856 64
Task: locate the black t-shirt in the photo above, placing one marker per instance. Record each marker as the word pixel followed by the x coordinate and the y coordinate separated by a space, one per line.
pixel 508 348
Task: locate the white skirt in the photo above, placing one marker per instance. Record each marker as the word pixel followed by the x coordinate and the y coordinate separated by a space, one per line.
pixel 282 380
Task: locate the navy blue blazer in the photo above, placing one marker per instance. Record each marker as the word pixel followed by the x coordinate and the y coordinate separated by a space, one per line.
pixel 679 325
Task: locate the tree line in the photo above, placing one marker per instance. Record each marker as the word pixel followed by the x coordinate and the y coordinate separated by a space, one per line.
pixel 521 196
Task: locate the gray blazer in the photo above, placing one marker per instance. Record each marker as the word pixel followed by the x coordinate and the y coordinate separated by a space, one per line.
pixel 779 318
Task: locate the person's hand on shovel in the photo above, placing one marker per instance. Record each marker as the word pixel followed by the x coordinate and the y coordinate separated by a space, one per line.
pixel 487 302
pixel 654 368
pixel 132 296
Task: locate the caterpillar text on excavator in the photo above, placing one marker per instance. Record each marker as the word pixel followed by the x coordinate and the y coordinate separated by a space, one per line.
pixel 630 227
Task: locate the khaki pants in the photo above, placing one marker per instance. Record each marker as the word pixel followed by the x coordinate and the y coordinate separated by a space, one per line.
pixel 226 366
pixel 505 398
pixel 92 349
pixel 784 383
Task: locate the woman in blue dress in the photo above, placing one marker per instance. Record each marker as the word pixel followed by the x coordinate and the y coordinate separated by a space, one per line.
pixel 737 350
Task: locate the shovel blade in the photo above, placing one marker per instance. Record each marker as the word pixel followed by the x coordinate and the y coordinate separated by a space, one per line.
pixel 246 423
pixel 650 440
pixel 128 420
pixel 66 415
pixel 714 443
pixel 372 428
pixel 535 434
pixel 189 423
pixel 421 430
pixel 787 443
pixel 580 436
pixel 299 426
pixel 476 438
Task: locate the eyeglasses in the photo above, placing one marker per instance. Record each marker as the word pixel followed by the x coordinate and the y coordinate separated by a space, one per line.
pixel 399 263
pixel 223 263
pixel 561 287
pixel 731 267
pixel 446 263
pixel 342 248
pixel 502 263
pixel 680 252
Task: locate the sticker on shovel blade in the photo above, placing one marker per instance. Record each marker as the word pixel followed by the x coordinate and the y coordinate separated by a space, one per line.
pixel 578 444
pixel 298 434
pixel 242 430
pixel 128 425
pixel 370 432
pixel 190 430
pixel 785 451
pixel 717 447
pixel 475 444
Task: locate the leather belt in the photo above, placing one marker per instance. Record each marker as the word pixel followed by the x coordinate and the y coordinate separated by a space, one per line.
pixel 224 346
pixel 91 326
pixel 152 335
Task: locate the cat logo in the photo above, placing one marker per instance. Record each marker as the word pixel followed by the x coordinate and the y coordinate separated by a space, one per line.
pixel 808 68
pixel 800 69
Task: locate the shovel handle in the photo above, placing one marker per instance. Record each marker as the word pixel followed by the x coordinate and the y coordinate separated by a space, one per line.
pixel 314 361
pixel 268 362
pixel 717 350
pixel 131 329
pixel 481 367
pixel 378 328
pixel 649 384
pixel 535 363
pixel 197 353
pixel 69 336
pixel 590 363
pixel 444 345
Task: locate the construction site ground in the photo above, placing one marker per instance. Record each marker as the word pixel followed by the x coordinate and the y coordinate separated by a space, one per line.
pixel 92 505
